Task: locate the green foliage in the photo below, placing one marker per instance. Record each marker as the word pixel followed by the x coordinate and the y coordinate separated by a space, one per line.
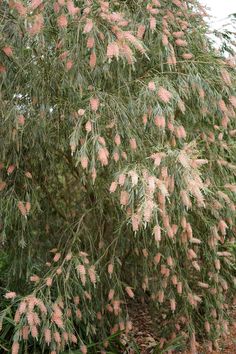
pixel 117 174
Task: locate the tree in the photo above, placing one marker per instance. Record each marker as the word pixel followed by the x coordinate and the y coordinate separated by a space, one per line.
pixel 117 174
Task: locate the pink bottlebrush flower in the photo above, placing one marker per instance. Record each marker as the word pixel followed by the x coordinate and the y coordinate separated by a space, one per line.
pixel 141 31
pixel 110 268
pixel 49 282
pixel 56 7
pixel 65 336
pixel 90 42
pixel 34 331
pixel 22 307
pixel 178 34
pixel 181 42
pixel 35 4
pixel 126 51
pixel 187 56
pixel 161 296
pixel 116 156
pixel 83 349
pixel 124 198
pixel 8 51
pixel 2 185
pixel 34 278
pixel 93 60
pixel 222 106
pixel 179 288
pixel 111 294
pixel 10 169
pixel 56 257
pixel 27 207
pixel 25 332
pixel 37 25
pixel 226 77
pixel 81 112
pixel 121 179
pixel 59 271
pixel 174 280
pixel 232 100
pixel 160 122
pixel 133 144
pixel 62 21
pixel 149 205
pixel 113 187
pixel 84 162
pixel 113 50
pixel 30 318
pixel 101 140
pixel 181 106
pixel 88 26
pixel 117 140
pixel 57 319
pixel 152 23
pixel 79 314
pixel 129 291
pixel 22 208
pixel 81 269
pixel 69 65
pixel 21 119
pixel 173 305
pixel 92 274
pixel 15 348
pixel 57 337
pixel 94 103
pixel 171 60
pixel 196 266
pixel 191 254
pixel 222 227
pixel 73 338
pixel 135 222
pixel 151 86
pixel 144 118
pixel 157 258
pixel 71 8
pixel 17 316
pixel 165 41
pixel 47 336
pixel 10 295
pixel 164 95
pixel 103 155
pixel 88 126
pixel 22 10
pixel 157 233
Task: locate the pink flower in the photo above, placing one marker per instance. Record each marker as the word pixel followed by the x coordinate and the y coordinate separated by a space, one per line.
pixel 71 8
pixel 152 23
pixel 141 31
pixel 62 21
pixel 10 295
pixel 94 103
pixel 8 51
pixel 160 122
pixel 124 198
pixel 151 86
pixel 90 42
pixel 93 60
pixel 187 56
pixel 88 27
pixel 164 95
pixel 103 155
pixel 113 50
